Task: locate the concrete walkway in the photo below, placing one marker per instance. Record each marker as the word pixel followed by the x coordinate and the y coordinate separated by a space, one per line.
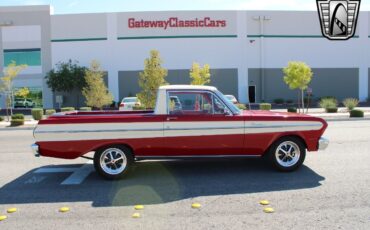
pixel 341 115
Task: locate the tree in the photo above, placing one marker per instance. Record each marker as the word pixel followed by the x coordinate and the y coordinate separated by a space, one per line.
pixel 150 79
pixel 22 92
pixel 66 77
pixel 10 73
pixel 96 93
pixel 200 76
pixel 298 75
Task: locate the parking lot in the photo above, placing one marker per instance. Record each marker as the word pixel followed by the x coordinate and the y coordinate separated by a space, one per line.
pixel 331 190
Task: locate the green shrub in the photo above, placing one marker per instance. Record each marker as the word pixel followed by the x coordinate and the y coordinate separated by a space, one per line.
pixel 37 114
pixel 356 113
pixel 49 112
pixel 16 122
pixel 328 103
pixel 279 101
pixel 1 119
pixel 18 116
pixel 85 109
pixel 289 101
pixel 113 105
pixel 66 109
pixel 241 106
pixel 265 106
pixel 350 103
pixel 332 110
pixel 327 97
pixel 292 110
pixel 138 107
pixel 307 100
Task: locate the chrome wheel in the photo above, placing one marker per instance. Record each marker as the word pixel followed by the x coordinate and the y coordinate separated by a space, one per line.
pixel 287 154
pixel 113 161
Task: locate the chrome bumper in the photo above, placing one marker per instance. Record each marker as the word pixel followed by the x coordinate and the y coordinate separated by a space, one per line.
pixel 323 143
pixel 35 150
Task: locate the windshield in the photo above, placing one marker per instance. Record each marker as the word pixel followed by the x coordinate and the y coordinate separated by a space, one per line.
pixel 230 97
pixel 229 104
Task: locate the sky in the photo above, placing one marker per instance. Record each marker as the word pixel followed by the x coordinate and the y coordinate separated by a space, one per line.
pixel 92 6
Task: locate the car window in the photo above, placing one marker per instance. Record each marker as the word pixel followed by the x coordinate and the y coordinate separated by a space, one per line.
pixel 190 103
pixel 195 103
pixel 219 106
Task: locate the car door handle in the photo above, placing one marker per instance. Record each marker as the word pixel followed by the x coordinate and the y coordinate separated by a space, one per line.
pixel 171 118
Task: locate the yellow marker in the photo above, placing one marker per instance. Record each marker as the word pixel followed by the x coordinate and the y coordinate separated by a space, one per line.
pixel 136 215
pixel 139 207
pixel 196 205
pixel 3 218
pixel 268 210
pixel 11 210
pixel 64 209
pixel 264 202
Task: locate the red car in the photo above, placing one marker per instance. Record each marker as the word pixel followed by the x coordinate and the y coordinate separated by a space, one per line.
pixel 202 123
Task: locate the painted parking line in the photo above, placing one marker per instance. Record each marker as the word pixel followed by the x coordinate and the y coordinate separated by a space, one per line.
pixel 79 174
pixel 55 170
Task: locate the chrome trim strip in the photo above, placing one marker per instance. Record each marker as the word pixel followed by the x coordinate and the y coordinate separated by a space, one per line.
pixel 133 130
pixel 197 156
pixel 98 131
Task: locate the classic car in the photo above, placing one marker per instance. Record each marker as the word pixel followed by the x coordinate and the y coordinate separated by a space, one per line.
pixel 205 125
pixel 128 103
pixel 24 102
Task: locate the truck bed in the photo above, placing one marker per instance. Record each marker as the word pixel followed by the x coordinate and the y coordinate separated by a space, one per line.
pixel 97 116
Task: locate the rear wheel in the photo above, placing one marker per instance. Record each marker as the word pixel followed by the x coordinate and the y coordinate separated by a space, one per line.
pixel 287 154
pixel 113 162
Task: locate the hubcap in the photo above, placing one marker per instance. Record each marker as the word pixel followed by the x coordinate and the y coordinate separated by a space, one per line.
pixel 113 161
pixel 287 154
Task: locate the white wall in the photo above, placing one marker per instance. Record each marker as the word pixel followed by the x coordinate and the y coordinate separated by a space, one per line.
pixel 242 52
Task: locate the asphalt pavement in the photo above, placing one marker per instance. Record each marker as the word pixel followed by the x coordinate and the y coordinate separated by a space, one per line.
pixel 331 190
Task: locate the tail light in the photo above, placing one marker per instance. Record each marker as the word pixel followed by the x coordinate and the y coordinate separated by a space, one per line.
pixel 121 105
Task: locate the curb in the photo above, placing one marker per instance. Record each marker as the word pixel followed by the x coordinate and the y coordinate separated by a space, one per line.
pixel 7 128
pixel 346 119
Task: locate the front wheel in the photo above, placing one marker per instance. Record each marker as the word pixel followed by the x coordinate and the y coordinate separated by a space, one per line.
pixel 113 162
pixel 287 154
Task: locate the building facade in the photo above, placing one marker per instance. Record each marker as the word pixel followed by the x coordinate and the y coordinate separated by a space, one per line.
pixel 245 49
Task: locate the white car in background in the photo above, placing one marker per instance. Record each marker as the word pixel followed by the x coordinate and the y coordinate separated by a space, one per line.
pixel 128 103
pixel 232 98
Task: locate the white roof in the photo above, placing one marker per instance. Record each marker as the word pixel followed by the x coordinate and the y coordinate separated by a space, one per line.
pixel 193 87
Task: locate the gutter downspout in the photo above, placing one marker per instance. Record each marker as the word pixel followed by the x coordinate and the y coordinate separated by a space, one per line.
pixel 262 20
pixel 262 64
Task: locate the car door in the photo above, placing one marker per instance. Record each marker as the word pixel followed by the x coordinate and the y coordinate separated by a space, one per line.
pixel 200 124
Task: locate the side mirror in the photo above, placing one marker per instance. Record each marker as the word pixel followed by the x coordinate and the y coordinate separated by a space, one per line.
pixel 227 112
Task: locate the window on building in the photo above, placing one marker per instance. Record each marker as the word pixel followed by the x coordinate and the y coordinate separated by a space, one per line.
pixel 30 57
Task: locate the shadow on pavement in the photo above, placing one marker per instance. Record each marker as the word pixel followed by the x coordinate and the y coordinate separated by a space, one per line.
pixel 159 182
